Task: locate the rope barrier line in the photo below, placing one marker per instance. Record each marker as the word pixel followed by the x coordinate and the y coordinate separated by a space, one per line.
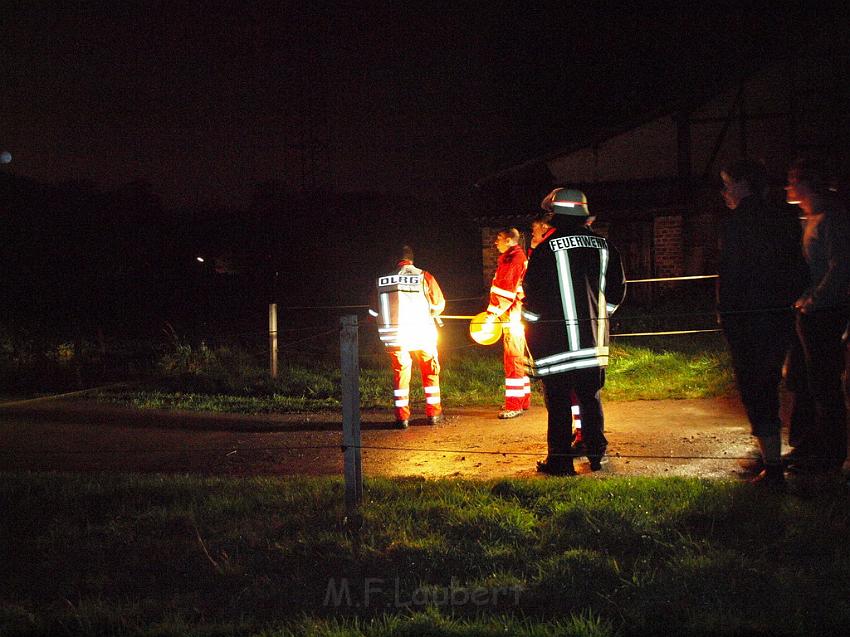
pixel 711 313
pixel 351 307
pixel 64 395
pixel 232 450
pixel 262 334
pixel 673 332
pixel 324 307
pixel 479 297
pixel 309 338
pixel 225 450
pixel 675 278
pixel 533 453
pixel 468 298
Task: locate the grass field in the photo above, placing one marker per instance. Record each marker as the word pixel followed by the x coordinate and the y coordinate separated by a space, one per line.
pixel 179 555
pixel 220 381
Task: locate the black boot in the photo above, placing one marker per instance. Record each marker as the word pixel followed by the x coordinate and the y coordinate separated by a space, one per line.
pixel 557 466
pixel 596 458
pixel 772 477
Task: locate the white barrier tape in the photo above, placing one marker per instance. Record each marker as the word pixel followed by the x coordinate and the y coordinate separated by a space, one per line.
pixel 675 278
pixel 665 333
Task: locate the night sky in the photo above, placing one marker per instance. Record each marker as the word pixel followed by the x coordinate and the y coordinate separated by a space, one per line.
pixel 203 100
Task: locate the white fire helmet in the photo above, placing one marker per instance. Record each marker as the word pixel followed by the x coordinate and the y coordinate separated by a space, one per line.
pixel 566 201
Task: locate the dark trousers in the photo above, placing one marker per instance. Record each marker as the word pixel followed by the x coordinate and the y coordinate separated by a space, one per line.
pixel 586 383
pixel 819 415
pixel 758 345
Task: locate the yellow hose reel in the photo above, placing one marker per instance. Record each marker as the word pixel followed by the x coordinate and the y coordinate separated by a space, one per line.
pixel 485 332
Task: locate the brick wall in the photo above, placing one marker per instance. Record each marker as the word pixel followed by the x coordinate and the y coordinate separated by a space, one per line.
pixel 667 238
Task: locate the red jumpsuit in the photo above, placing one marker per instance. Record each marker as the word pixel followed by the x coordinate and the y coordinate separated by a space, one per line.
pixel 407 301
pixel 506 303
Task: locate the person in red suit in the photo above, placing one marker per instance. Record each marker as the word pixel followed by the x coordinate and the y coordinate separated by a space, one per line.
pixel 505 306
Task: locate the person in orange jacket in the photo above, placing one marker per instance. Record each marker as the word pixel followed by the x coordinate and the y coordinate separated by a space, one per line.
pixel 505 305
pixel 407 303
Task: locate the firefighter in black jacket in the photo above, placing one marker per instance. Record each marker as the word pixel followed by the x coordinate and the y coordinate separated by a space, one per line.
pixel 574 281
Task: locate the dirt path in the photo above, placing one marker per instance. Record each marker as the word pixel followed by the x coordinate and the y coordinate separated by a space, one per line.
pixel 650 438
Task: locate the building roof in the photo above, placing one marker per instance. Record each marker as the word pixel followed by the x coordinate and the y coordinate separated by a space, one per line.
pixel 693 98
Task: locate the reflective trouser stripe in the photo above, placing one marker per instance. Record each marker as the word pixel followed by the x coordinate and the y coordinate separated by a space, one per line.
pixel 514 388
pixel 432 400
pixel 576 411
pixel 432 395
pixel 402 397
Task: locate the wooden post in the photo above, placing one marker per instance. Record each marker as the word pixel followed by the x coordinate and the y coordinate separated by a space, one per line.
pixel 273 340
pixel 350 368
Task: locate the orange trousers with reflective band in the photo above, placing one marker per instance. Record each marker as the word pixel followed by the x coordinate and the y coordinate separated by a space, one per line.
pixel 517 384
pixel 429 367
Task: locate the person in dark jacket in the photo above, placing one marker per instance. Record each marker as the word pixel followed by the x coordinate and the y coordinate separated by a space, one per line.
pixel 818 429
pixel 574 281
pixel 762 273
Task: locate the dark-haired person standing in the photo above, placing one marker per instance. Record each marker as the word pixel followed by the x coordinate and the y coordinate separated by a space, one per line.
pixel 574 281
pixel 820 441
pixel 762 273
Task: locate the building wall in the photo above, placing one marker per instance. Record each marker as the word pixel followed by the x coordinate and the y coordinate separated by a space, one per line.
pixel 489 255
pixel 669 257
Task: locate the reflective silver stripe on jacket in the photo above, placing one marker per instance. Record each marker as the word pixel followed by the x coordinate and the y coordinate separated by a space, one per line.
pixel 568 299
pixel 596 361
pixel 500 292
pixel 588 352
pixel 601 306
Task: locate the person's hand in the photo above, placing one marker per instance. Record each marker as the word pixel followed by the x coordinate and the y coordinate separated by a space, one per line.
pixel 803 304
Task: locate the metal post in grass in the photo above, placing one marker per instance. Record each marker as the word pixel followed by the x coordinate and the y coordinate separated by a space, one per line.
pixel 350 384
pixel 273 340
